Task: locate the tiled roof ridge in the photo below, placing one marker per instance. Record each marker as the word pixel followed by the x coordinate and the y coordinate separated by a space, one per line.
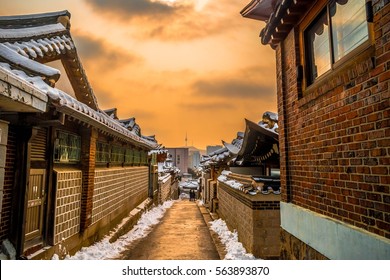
pixel 22 21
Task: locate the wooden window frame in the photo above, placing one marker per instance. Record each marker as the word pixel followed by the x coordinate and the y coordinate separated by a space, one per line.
pixel 306 22
pixel 57 145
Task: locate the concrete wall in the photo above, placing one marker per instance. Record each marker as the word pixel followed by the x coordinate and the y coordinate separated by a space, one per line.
pixel 330 237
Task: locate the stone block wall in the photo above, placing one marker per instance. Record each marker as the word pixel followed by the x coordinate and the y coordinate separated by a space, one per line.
pixel 294 249
pixel 68 203
pixel 165 188
pixel 256 220
pixel 118 187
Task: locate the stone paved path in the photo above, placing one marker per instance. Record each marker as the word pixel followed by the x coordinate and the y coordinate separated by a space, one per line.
pixel 182 234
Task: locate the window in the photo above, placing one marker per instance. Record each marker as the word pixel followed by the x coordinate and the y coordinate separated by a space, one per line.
pixel 117 154
pixel 144 157
pixel 337 30
pixel 102 152
pixel 67 147
pixel 129 156
pixel 177 160
pixel 137 157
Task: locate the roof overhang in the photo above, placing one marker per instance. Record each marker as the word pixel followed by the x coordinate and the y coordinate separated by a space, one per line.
pixel 260 9
pixel 259 142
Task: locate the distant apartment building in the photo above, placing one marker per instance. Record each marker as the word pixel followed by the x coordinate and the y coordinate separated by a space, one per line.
pixel 179 157
pixel 193 157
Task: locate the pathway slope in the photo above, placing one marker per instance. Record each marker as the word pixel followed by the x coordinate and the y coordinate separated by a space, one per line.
pixel 182 234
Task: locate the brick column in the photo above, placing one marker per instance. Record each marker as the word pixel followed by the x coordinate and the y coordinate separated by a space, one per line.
pixel 88 151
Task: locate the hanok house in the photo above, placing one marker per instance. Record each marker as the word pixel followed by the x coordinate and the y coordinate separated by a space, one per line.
pixel 244 186
pixel 69 171
pixel 333 74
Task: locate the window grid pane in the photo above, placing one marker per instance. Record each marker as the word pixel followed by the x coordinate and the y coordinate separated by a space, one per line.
pixel 102 152
pixel 317 37
pixel 67 147
pixel 349 27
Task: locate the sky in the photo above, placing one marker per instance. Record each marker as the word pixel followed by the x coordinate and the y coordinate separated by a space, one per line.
pixel 180 67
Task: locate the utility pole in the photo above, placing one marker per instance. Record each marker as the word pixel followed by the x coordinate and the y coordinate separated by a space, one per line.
pixel 186 139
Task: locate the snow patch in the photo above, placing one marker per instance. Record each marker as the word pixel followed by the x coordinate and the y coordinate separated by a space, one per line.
pixel 235 250
pixel 106 250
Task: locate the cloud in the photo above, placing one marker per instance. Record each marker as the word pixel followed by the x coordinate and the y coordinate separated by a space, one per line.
pixel 170 21
pixel 97 51
pixel 235 89
pixel 134 8
pixel 208 106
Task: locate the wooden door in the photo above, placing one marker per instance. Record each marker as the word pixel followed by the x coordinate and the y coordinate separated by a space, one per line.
pixel 35 205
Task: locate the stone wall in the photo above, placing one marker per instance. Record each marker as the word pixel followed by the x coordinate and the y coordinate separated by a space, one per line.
pixel 167 188
pixel 68 204
pixel 294 249
pixel 117 188
pixel 255 218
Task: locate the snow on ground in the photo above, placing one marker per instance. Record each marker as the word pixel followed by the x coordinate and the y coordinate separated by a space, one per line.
pixel 234 249
pixel 106 250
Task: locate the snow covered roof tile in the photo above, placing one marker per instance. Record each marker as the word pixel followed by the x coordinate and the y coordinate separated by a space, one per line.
pixel 26 42
pixel 44 38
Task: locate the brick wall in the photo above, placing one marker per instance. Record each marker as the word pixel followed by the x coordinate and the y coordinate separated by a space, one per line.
pixel 9 178
pixel 117 188
pixel 68 202
pixel 88 153
pixel 256 220
pixel 334 137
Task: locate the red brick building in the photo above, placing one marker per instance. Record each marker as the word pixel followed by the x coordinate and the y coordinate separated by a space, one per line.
pixel 333 75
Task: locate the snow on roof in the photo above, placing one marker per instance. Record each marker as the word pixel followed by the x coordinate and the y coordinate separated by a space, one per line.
pixel 24 38
pixel 36 31
pixel 32 66
pixel 65 102
pixel 32 19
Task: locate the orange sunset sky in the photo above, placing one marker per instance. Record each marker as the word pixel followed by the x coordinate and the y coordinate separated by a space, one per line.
pixel 177 66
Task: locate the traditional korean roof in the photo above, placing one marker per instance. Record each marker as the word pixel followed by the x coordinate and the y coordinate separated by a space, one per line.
pixel 260 142
pixel 260 9
pixel 112 113
pixel 280 17
pixel 41 38
pixel 26 44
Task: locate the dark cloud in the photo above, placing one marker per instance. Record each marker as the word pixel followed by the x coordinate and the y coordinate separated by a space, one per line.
pixel 94 50
pixel 208 106
pixel 133 8
pixel 169 22
pixel 236 89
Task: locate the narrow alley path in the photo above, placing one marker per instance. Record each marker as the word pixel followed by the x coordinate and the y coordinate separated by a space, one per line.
pixel 182 234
